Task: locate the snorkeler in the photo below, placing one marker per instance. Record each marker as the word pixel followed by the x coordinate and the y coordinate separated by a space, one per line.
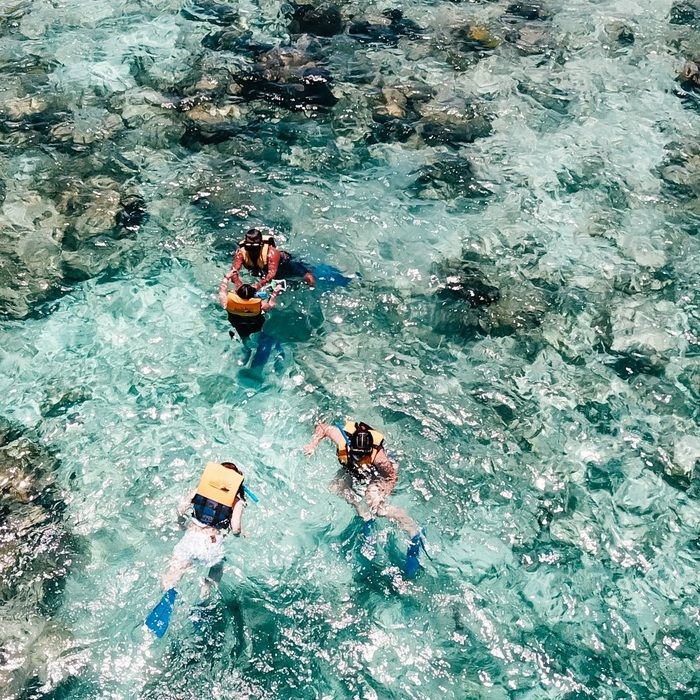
pixel 261 257
pixel 246 308
pixel 365 463
pixel 214 508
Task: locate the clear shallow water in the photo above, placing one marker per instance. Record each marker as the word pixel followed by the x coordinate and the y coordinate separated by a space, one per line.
pixel 542 439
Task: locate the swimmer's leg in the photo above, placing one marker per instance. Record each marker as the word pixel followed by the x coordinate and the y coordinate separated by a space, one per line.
pixel 213 578
pixel 175 572
pixel 266 343
pixel 376 496
pixel 342 485
pixel 329 276
pixel 158 619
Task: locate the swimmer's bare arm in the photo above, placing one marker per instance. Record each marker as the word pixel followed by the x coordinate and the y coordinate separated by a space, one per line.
pixel 223 288
pixel 273 262
pixel 271 302
pixel 186 503
pixel 236 526
pixel 323 431
pixel 235 267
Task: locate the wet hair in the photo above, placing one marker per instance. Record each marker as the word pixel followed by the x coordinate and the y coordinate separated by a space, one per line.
pixel 253 237
pixel 246 291
pixel 361 441
pixel 231 465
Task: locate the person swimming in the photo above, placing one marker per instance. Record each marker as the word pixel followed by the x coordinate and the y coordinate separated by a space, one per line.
pixel 365 463
pixel 213 509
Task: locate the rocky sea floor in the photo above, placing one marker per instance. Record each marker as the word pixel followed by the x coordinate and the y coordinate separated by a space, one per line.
pixel 513 189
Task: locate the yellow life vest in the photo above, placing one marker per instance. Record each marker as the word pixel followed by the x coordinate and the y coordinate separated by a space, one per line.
pixel 219 484
pixel 377 444
pixel 243 307
pixel 259 265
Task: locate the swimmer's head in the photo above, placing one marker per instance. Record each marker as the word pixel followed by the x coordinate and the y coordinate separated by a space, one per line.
pixel 253 240
pixel 361 442
pixel 231 465
pixel 246 291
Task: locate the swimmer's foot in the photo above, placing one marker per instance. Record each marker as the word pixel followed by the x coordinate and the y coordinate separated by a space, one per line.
pixel 158 619
pixel 309 279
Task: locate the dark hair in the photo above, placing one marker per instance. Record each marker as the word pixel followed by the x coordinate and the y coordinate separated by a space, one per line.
pixel 231 465
pixel 361 440
pixel 246 291
pixel 253 236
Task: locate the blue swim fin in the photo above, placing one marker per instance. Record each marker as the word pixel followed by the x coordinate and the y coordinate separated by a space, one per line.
pixel 266 343
pixel 329 276
pixel 159 618
pixel 368 540
pixel 412 565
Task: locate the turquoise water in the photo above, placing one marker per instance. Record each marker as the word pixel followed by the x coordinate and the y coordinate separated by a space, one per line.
pixel 547 439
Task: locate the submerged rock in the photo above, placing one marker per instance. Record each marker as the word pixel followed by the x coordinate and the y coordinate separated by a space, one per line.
pixel 288 77
pixel 686 455
pixel 467 304
pixel 468 285
pixel 685 12
pixel 97 206
pixel 620 32
pixel 689 75
pixel 209 122
pixel 241 42
pixel 86 127
pixel 681 169
pixel 322 20
pixel 527 10
pixel 466 44
pixel 31 234
pixel 452 125
pixel 547 95
pixel 211 11
pixel 132 212
pixel 531 40
pixel 36 553
pixel 448 178
pixel 29 121
pixel 395 114
pixel 530 28
pixel 386 30
pixel 473 37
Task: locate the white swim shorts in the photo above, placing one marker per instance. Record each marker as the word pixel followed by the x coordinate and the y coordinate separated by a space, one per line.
pixel 197 546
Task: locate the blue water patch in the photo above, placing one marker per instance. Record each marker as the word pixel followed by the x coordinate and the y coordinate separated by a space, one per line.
pixel 499 203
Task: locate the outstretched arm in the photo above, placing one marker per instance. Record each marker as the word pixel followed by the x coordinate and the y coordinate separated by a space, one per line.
pixel 323 431
pixel 235 267
pixel 271 302
pixel 273 262
pixel 223 288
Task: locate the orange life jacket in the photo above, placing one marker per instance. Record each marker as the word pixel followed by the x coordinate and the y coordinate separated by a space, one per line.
pixel 342 451
pixel 219 484
pixel 216 494
pixel 247 308
pixel 258 266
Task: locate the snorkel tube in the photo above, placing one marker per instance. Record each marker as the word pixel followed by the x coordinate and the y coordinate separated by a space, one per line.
pixel 250 494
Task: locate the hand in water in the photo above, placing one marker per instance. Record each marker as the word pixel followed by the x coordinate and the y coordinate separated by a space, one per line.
pixel 222 300
pixel 309 449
